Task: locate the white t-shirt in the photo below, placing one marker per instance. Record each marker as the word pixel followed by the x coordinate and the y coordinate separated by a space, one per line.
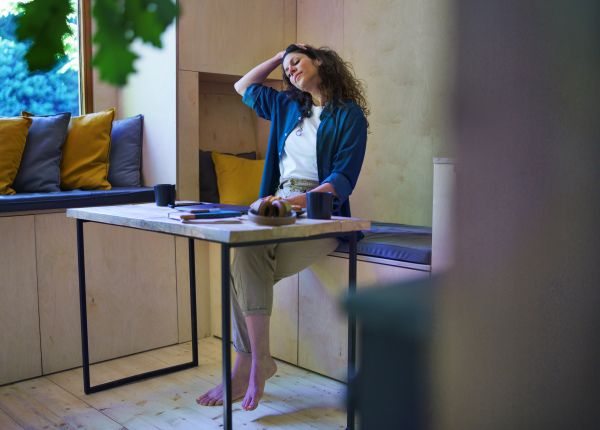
pixel 299 156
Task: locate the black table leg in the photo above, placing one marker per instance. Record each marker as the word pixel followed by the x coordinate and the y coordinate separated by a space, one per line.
pixel 226 335
pixel 194 315
pixel 83 308
pixel 351 326
pixel 87 388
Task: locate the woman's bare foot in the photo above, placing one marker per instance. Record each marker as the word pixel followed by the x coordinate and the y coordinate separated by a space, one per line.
pixel 239 383
pixel 261 370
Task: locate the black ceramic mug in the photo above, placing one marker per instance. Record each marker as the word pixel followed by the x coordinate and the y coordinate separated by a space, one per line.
pixel 164 194
pixel 320 205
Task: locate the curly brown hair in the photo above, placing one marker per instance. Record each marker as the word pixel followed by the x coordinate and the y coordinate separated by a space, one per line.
pixel 337 79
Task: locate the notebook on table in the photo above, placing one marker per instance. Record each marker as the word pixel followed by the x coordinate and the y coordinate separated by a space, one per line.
pixel 212 207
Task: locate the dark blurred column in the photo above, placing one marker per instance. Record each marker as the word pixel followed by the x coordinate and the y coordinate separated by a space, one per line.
pixel 517 343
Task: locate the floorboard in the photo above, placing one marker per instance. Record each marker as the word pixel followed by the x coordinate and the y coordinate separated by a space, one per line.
pixel 294 398
pixel 7 423
pixel 27 412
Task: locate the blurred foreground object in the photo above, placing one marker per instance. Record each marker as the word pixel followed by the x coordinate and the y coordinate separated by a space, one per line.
pixel 516 341
pixel 391 386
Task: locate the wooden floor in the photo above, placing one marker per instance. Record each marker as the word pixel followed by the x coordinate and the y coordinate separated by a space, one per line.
pixel 294 398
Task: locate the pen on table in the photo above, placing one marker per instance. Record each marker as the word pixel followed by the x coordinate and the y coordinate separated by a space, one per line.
pixel 183 204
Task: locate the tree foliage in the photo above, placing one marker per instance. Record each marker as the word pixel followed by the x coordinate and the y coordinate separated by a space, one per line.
pixel 44 24
pixel 40 93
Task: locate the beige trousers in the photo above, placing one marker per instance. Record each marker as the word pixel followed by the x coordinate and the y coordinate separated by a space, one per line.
pixel 255 271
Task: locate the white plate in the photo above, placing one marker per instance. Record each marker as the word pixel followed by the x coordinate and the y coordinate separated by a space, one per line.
pixel 265 220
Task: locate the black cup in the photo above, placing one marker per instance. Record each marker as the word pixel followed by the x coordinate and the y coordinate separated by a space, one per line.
pixel 320 205
pixel 164 194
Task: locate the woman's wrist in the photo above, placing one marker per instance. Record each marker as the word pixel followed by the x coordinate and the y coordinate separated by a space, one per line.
pixel 276 60
pixel 299 200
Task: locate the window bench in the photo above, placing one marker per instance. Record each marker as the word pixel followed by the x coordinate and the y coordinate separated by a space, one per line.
pixel 39 310
pixel 388 253
pixel 75 199
pixel 395 245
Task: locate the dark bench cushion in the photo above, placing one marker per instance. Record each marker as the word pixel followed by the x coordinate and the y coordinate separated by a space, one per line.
pixel 75 199
pixel 398 242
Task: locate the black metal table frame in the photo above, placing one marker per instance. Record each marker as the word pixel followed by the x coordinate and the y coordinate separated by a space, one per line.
pixel 226 315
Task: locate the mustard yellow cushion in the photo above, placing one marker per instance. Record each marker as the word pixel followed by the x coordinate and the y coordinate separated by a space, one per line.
pixel 13 135
pixel 238 179
pixel 84 163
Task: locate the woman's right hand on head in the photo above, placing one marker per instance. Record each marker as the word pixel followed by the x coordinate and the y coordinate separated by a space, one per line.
pixel 281 54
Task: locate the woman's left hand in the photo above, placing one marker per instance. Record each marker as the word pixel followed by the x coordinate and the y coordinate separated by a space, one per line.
pixel 304 46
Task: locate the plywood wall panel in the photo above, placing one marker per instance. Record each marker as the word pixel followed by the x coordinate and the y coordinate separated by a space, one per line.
pixel 187 136
pixel 183 289
pixel 323 326
pixel 284 320
pixel 19 322
pixel 223 88
pixel 225 124
pixel 230 36
pixel 289 22
pixel 321 23
pixel 402 50
pixel 214 253
pixel 229 125
pixel 58 289
pixel 130 278
pixel 131 290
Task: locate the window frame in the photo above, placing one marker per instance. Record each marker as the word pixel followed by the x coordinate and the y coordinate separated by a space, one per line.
pixel 86 80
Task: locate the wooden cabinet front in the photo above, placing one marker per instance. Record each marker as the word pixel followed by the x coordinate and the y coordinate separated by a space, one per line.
pixel 19 322
pixel 323 326
pixel 131 291
pixel 230 37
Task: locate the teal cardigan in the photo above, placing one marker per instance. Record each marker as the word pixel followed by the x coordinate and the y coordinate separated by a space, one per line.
pixel 341 140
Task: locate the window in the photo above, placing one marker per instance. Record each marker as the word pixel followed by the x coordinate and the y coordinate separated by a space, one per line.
pixel 40 93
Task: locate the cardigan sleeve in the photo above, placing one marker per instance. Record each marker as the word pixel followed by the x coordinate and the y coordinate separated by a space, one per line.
pixel 262 99
pixel 349 155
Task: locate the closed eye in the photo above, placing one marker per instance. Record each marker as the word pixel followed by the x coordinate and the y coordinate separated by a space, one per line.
pixel 294 61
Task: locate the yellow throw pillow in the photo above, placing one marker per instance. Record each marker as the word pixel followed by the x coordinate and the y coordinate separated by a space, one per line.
pixel 13 134
pixel 84 163
pixel 238 179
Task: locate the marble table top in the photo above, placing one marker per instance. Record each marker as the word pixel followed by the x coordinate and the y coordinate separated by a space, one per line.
pixel 148 216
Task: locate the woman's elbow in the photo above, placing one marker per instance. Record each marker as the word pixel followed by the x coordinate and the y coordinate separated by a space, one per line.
pixel 240 86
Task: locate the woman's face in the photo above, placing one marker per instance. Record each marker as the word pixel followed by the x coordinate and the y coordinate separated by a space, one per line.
pixel 302 71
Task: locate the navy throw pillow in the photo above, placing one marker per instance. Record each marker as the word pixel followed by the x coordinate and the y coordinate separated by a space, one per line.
pixel 125 160
pixel 39 171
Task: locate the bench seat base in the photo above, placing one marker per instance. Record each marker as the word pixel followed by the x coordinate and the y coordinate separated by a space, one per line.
pixel 75 199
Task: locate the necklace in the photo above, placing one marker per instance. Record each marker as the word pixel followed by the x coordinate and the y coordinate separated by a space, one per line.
pixel 301 119
pixel 299 131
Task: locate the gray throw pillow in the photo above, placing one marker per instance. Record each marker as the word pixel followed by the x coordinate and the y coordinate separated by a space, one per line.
pixel 39 171
pixel 125 157
pixel 209 191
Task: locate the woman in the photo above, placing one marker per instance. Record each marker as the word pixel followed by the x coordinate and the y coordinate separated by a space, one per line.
pixel 317 143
